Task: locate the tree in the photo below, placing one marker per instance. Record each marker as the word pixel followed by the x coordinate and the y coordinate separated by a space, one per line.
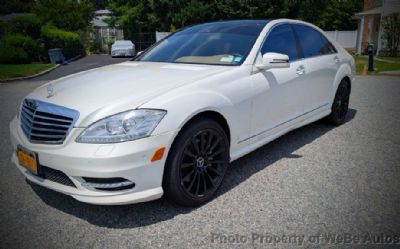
pixel 136 16
pixel 70 15
pixel 338 15
pixel 391 33
pixel 99 4
pixel 16 6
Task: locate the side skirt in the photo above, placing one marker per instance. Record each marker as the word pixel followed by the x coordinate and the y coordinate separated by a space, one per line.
pixel 264 138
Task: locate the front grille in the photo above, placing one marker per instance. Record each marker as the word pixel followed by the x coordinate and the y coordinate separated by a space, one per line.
pixel 46 123
pixel 56 176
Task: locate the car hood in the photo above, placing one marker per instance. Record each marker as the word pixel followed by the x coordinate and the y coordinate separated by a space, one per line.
pixel 104 91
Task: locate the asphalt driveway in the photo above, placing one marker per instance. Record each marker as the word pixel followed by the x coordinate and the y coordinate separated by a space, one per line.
pixel 316 181
pixel 85 63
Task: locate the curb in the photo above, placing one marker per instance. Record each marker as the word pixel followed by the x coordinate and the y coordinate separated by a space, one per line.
pixel 387 61
pixel 387 73
pixel 30 76
pixel 75 58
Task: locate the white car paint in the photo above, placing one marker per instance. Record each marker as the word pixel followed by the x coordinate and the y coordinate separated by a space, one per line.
pixel 258 105
pixel 123 48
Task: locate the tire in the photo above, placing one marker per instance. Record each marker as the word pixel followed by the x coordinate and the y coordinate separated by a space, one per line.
pixel 196 163
pixel 340 105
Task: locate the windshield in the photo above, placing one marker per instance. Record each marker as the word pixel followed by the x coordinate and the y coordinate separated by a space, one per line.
pixel 219 43
pixel 122 43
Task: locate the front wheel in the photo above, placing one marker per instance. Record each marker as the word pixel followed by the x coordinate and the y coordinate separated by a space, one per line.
pixel 196 163
pixel 340 105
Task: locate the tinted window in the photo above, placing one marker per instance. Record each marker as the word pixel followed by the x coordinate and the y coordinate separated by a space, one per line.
pixel 327 48
pixel 281 40
pixel 225 43
pixel 312 42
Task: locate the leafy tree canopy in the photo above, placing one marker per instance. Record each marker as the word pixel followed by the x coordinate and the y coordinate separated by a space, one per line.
pixel 16 6
pixel 165 15
pixel 71 15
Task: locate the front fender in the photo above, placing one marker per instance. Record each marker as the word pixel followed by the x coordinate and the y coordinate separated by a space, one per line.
pixel 182 107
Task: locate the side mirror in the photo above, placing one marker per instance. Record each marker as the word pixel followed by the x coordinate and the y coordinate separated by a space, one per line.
pixel 274 60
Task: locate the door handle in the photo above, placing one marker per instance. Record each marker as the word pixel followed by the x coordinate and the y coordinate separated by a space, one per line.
pixel 300 70
pixel 336 59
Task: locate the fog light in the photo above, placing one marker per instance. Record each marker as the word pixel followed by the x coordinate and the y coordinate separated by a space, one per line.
pixel 108 183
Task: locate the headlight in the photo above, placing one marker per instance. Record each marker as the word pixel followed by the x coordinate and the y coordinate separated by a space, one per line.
pixel 125 126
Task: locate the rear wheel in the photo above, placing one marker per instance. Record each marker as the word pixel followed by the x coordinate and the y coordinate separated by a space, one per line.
pixel 340 105
pixel 196 163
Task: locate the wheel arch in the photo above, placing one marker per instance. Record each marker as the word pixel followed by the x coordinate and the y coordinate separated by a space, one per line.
pixel 214 115
pixel 343 73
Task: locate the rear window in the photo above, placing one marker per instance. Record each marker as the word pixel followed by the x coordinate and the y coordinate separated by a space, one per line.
pixel 312 42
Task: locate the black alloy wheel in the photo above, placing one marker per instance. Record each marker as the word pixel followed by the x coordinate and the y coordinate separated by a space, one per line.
pixel 197 163
pixel 340 104
pixel 203 163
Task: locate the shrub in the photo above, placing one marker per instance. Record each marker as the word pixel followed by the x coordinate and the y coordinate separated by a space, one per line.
pixel 31 47
pixel 57 38
pixel 28 25
pixel 110 42
pixel 13 55
pixel 94 46
pixel 3 29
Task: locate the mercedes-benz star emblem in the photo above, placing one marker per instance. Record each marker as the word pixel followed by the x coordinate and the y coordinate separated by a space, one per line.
pixel 50 91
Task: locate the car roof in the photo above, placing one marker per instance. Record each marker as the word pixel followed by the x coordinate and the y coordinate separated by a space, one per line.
pixel 245 27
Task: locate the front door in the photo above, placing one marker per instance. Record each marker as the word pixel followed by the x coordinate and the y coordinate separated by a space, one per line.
pixel 278 92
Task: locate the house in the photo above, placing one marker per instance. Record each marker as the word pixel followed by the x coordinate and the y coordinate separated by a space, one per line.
pixel 104 32
pixel 370 23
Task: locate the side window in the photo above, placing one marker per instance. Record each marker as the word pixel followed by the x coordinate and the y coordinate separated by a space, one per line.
pixel 281 40
pixel 327 48
pixel 312 42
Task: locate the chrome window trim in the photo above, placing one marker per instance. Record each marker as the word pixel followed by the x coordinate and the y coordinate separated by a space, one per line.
pixel 296 38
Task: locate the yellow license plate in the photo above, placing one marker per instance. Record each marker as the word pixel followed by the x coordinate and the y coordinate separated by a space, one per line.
pixel 27 159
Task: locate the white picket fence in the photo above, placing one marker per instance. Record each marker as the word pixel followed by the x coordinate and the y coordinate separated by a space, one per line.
pixel 161 35
pixel 346 39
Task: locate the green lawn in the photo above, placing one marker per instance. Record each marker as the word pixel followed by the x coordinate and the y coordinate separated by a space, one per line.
pixel 379 66
pixel 396 59
pixel 8 71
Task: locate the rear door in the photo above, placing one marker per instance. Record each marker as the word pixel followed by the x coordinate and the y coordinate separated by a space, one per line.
pixel 322 63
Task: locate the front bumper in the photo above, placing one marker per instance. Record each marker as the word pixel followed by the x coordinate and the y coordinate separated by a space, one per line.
pixel 128 160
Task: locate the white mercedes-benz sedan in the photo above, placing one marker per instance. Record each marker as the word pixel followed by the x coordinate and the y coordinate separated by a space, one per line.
pixel 123 48
pixel 171 120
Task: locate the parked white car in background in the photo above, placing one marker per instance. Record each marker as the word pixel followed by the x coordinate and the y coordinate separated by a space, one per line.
pixel 171 121
pixel 123 48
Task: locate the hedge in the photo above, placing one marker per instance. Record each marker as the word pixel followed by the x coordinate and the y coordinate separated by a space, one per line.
pixel 31 47
pixel 57 38
pixel 28 25
pixel 13 55
pixel 3 28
